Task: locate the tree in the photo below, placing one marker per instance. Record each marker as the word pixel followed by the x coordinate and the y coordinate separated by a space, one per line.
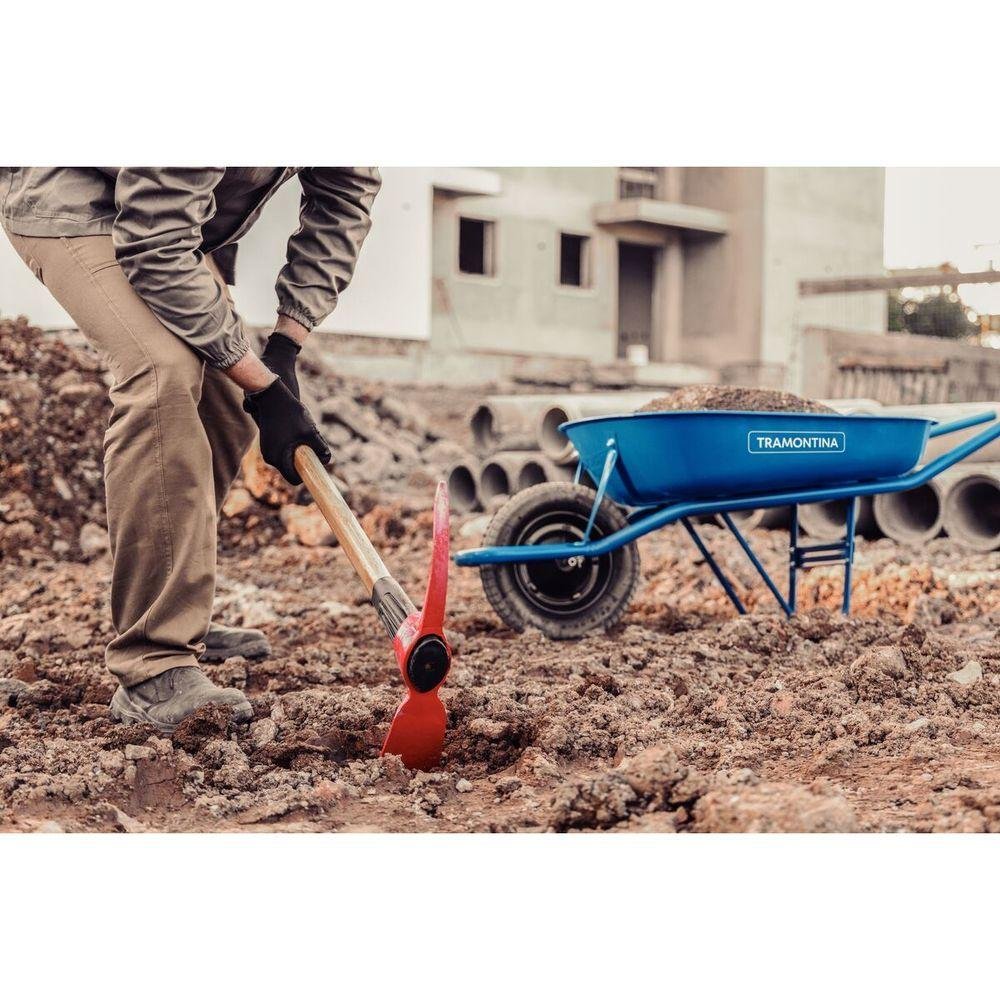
pixel 943 314
pixel 897 319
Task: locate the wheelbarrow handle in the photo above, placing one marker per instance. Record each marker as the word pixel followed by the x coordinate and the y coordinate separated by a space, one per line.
pixel 962 422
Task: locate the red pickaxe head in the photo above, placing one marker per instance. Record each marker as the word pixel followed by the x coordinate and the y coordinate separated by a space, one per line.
pixel 424 657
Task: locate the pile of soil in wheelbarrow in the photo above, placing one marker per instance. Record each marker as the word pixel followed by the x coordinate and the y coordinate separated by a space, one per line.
pixel 733 397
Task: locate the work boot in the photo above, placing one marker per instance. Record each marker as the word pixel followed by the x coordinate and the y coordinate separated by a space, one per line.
pixel 167 699
pixel 222 642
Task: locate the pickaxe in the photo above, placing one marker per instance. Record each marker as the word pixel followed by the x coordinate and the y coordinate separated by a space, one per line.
pixel 418 639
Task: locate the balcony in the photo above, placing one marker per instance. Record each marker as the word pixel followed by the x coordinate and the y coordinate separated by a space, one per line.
pixel 658 218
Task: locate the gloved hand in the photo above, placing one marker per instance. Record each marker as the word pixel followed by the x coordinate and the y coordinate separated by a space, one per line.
pixel 284 424
pixel 280 355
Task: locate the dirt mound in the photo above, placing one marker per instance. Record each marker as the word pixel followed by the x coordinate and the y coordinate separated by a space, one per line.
pixel 53 413
pixel 653 781
pixel 746 804
pixel 732 397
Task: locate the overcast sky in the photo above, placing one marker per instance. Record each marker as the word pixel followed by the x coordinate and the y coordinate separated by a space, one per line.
pixel 938 214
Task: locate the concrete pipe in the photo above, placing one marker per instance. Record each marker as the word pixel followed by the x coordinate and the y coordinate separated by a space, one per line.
pixel 532 472
pixel 911 517
pixel 562 473
pixel 506 473
pixel 538 469
pixel 915 516
pixel 972 508
pixel 951 411
pixel 555 444
pixel 509 472
pixel 506 423
pixel 463 488
pixel 762 517
pixel 826 521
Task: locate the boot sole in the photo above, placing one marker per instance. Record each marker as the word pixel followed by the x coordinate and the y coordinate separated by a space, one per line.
pixel 123 710
pixel 252 649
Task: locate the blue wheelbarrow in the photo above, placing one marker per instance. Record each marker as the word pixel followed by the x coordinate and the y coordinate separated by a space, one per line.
pixel 562 558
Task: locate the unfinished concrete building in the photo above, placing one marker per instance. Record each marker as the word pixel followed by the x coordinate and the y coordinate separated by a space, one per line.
pixel 692 266
pixel 689 265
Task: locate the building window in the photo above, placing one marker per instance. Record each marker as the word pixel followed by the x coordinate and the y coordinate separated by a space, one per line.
pixel 638 182
pixel 476 246
pixel 574 260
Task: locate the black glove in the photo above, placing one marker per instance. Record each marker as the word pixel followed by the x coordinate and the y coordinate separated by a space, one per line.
pixel 284 424
pixel 280 355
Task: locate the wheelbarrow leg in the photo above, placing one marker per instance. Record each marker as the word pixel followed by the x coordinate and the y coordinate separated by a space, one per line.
pixel 602 486
pixel 793 558
pixel 800 556
pixel 845 604
pixel 757 564
pixel 714 566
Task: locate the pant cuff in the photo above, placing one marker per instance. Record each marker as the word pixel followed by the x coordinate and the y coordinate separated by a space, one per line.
pixel 132 670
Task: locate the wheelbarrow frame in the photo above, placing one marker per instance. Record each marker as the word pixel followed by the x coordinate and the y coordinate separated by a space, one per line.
pixel 645 519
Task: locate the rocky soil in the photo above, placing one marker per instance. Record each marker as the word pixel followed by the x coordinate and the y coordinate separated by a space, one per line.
pixel 686 718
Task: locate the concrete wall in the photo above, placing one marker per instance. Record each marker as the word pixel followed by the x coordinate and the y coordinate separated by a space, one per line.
pixel 741 305
pixel 818 222
pixel 887 367
pixel 523 307
pixel 722 299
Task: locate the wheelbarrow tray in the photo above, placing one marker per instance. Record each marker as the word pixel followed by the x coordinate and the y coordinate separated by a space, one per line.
pixel 680 455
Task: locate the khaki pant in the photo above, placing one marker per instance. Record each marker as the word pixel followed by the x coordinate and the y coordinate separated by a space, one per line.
pixel 173 446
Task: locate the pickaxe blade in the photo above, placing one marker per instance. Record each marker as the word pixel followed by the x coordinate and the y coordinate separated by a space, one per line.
pixel 424 657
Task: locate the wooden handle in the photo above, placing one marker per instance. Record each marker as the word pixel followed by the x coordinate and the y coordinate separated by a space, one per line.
pixel 355 543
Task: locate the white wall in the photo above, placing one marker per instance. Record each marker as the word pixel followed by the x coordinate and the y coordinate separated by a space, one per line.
pixel 22 294
pixel 391 291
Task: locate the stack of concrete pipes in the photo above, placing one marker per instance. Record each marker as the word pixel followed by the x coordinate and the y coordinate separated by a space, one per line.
pixel 520 437
pixel 521 444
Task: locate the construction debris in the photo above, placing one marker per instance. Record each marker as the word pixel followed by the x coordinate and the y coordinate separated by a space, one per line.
pixel 54 410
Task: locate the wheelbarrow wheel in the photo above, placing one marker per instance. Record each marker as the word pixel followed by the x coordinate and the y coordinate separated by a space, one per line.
pixel 566 598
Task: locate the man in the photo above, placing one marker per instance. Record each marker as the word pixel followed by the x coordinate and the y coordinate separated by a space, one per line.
pixel 140 258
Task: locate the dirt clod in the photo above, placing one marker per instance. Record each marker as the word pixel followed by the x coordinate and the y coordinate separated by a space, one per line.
pixel 772 807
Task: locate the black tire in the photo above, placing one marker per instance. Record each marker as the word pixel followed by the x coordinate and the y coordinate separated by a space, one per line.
pixel 562 601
